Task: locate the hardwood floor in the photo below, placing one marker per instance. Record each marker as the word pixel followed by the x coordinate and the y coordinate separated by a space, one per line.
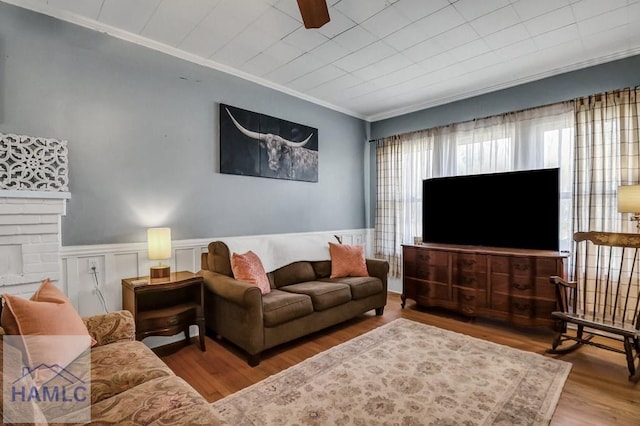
pixel 597 391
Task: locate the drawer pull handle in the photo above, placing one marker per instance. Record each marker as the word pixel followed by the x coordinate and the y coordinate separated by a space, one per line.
pixel 523 287
pixel 466 262
pixel 521 306
pixel 173 321
pixel 468 280
pixel 467 298
pixel 521 266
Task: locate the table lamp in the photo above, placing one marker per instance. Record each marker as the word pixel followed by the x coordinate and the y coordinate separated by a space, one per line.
pixel 159 242
pixel 629 202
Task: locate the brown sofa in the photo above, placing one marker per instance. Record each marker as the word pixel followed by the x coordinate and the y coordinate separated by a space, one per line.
pixel 130 385
pixel 303 299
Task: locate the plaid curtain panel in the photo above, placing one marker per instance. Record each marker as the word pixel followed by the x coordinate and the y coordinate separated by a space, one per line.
pixel 606 156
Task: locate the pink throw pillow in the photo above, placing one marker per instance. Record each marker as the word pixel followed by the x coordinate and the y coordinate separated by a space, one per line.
pixel 247 267
pixel 47 313
pixel 347 261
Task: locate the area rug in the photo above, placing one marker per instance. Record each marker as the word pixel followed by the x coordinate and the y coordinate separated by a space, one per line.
pixel 406 373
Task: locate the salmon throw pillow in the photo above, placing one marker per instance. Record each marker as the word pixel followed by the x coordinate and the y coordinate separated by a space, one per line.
pixel 248 267
pixel 347 261
pixel 47 313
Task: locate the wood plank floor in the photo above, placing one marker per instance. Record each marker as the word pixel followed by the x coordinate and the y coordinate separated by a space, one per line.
pixel 597 391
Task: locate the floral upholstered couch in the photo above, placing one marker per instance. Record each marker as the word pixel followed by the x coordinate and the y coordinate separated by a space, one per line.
pixel 130 385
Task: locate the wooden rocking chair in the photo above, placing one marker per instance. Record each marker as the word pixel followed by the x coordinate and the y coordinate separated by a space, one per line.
pixel 604 297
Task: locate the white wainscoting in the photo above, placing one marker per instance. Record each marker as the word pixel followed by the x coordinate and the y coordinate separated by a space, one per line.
pixel 114 262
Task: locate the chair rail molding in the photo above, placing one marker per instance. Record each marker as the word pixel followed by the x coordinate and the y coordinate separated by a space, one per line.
pixel 114 262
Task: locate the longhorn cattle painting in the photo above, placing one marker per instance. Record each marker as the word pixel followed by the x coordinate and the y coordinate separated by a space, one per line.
pixel 254 144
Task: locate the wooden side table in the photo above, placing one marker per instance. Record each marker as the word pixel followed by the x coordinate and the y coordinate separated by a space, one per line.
pixel 165 306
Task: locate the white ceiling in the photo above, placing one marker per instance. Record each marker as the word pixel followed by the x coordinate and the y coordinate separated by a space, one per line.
pixel 376 58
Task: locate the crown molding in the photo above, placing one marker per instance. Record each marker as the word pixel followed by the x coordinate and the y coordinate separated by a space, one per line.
pixel 45 9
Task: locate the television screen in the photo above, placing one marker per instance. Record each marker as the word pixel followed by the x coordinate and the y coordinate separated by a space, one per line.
pixel 510 209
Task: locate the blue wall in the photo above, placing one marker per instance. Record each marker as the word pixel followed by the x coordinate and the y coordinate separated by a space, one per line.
pixel 143 137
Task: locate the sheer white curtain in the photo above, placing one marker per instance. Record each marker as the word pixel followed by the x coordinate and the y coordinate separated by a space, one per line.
pixel 535 138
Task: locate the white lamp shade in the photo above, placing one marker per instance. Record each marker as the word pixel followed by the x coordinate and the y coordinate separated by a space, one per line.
pixel 629 199
pixel 159 241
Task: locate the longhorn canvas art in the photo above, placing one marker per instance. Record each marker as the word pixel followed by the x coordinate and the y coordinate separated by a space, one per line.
pixel 254 144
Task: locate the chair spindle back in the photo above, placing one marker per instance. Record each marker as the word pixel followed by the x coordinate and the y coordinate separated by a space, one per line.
pixel 607 274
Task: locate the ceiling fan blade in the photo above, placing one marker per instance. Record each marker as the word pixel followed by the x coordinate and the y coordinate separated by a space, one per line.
pixel 315 13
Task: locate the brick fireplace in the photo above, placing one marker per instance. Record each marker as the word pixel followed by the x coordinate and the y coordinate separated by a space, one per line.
pixel 33 194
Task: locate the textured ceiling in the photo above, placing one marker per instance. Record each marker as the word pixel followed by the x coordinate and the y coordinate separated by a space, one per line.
pixel 376 58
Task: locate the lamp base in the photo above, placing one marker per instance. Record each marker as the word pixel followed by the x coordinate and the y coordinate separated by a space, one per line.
pixel 159 271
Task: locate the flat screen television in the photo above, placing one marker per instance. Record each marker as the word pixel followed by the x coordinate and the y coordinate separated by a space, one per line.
pixel 509 210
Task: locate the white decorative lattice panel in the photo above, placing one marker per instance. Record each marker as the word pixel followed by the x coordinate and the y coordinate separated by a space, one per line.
pixel 33 164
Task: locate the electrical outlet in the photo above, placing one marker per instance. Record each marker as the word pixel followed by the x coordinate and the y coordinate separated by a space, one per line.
pixel 92 265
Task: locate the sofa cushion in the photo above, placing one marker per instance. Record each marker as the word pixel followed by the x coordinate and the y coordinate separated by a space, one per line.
pixel 112 327
pixel 322 268
pixel 219 258
pixel 294 273
pixel 120 366
pixel 361 287
pixel 161 401
pixel 324 295
pixel 280 306
pixel 10 363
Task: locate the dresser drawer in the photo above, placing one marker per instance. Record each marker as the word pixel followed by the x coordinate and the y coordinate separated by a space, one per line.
pixel 544 307
pixel 514 265
pixel 432 258
pixel 154 323
pixel 410 287
pixel 469 262
pixel 522 266
pixel 427 292
pixel 513 305
pixel 477 280
pixel 547 267
pixel 544 288
pixel 517 285
pixel 467 300
pixel 499 264
pixel 436 273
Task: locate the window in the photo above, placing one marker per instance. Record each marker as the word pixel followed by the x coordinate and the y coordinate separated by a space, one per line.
pixel 531 139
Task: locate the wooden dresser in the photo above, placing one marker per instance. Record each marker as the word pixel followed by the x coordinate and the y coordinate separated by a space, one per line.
pixel 509 284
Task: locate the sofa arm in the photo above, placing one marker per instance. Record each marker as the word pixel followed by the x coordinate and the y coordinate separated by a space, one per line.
pixel 378 268
pixel 243 294
pixel 233 310
pixel 112 327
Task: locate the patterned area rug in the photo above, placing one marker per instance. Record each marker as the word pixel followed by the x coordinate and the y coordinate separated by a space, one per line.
pixel 406 373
